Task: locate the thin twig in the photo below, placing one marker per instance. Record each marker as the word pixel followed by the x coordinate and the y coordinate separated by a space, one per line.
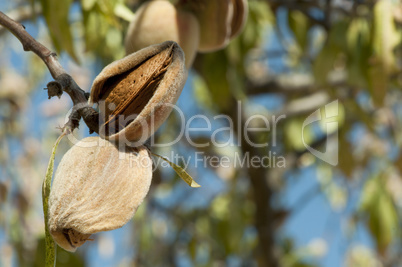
pixel 23 13
pixel 63 81
pixel 73 120
pixel 30 44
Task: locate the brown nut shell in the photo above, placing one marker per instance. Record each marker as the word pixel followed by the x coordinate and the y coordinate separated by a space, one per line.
pixel 159 21
pixel 240 14
pixel 136 94
pixel 215 18
pixel 96 187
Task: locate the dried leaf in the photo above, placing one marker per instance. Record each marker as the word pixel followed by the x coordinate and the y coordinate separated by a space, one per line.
pixel 180 171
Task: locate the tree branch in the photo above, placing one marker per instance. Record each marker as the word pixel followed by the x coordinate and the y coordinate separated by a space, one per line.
pixel 23 13
pixel 264 213
pixel 63 81
pixel 305 105
pixel 262 194
pixel 276 86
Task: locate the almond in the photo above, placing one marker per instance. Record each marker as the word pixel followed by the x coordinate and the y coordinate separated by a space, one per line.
pixel 97 187
pixel 136 94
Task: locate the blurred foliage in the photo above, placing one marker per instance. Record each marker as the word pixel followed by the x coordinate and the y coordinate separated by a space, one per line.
pixel 300 55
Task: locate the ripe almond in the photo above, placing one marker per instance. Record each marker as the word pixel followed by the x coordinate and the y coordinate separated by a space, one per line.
pixel 97 187
pixel 159 21
pixel 215 18
pixel 220 21
pixel 240 14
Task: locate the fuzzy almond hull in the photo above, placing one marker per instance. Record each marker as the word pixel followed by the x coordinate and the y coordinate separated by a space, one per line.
pixel 97 187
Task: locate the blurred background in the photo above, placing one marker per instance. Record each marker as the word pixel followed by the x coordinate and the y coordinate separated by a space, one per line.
pixel 292 58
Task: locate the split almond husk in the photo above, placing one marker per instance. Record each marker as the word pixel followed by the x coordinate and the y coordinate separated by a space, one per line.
pixel 97 187
pixel 137 93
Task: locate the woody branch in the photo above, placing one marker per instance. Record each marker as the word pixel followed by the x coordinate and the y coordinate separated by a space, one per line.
pixel 62 80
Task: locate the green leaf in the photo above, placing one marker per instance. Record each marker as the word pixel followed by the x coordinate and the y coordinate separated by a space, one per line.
pixel 180 171
pixel 102 26
pixel 332 49
pixel 122 11
pixel 87 4
pixel 260 17
pixel 385 39
pixel 215 69
pixel 385 36
pixel 378 83
pixel 299 24
pixel 56 16
pixel 358 39
pixel 382 221
pixel 49 243
pixel 293 134
pixel 347 162
pixel 202 94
